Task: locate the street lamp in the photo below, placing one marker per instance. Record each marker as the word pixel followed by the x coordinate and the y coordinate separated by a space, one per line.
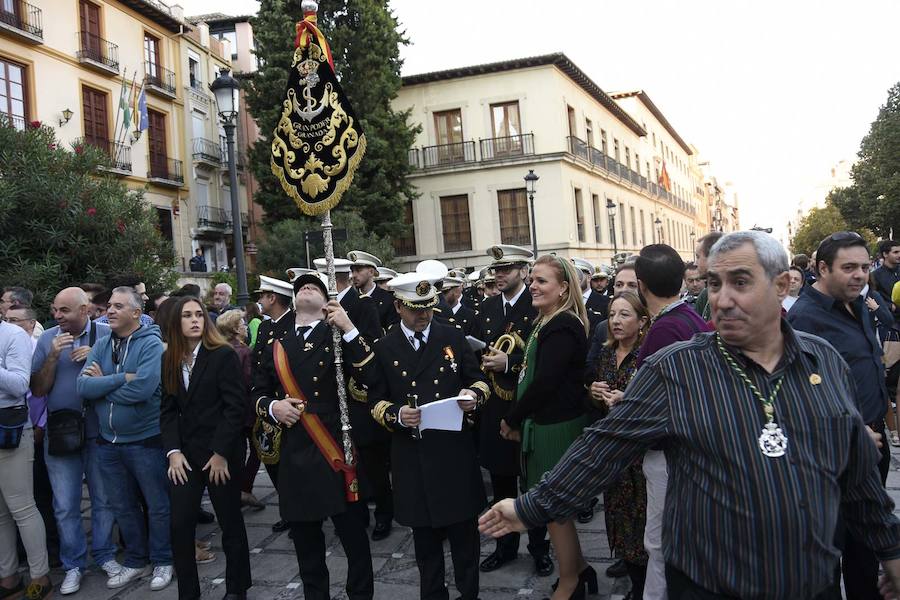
pixel 658 225
pixel 611 211
pixel 227 91
pixel 530 180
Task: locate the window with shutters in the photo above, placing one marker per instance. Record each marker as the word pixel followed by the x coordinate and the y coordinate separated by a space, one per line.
pixel 95 117
pixel 449 136
pixel 405 245
pixel 514 225
pixel 13 104
pixel 579 215
pixel 455 223
pixel 570 115
pixel 151 56
pixel 598 218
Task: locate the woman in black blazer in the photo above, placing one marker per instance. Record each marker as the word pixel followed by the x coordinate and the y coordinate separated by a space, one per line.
pixel 201 419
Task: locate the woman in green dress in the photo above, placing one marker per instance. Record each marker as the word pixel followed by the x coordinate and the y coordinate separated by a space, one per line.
pixel 549 411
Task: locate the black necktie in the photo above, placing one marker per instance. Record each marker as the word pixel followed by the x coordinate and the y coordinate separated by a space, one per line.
pixel 506 308
pixel 421 337
pixel 301 331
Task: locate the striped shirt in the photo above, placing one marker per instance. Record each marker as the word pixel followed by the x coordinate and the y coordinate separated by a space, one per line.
pixel 737 522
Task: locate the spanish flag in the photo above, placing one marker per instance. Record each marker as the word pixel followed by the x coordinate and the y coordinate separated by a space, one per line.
pixel 664 180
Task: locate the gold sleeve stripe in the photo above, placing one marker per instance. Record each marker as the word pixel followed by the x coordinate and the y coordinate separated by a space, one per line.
pixel 364 361
pixel 481 387
pixel 378 413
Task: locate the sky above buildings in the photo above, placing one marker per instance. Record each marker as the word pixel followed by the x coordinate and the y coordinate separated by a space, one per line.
pixel 772 93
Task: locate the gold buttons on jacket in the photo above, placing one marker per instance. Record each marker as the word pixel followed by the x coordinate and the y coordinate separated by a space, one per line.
pixel 414 384
pixel 396 363
pixel 441 369
pixel 315 378
pixel 435 382
pixel 403 373
pixel 316 394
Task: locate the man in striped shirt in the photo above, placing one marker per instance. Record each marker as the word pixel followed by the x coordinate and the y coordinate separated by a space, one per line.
pixel 763 441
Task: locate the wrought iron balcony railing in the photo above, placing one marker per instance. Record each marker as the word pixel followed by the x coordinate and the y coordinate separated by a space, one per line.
pixel 158 79
pixel 94 49
pixel 22 17
pixel 506 147
pixel 165 170
pixel 448 154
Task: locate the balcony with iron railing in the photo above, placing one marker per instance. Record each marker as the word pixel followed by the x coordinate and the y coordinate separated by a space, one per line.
pixel 239 158
pixel 96 52
pixel 415 158
pixel 507 147
pixel 14 121
pixel 165 171
pixel 22 20
pixel 212 217
pixel 448 154
pixel 207 152
pixel 197 83
pixel 119 154
pixel 159 80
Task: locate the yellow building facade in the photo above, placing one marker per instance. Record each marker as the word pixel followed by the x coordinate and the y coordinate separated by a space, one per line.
pixel 64 62
pixel 599 157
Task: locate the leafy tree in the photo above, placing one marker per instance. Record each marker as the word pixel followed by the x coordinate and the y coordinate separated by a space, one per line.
pixel 284 246
pixel 364 39
pixel 64 221
pixel 818 224
pixel 873 201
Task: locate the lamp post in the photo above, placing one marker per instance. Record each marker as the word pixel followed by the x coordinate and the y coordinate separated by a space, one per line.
pixel 530 180
pixel 611 211
pixel 658 227
pixel 227 91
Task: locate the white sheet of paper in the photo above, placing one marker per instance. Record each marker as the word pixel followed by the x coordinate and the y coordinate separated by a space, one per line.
pixel 475 343
pixel 445 414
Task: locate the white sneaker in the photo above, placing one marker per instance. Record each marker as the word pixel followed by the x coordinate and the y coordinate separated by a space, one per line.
pixel 111 567
pixel 125 576
pixel 162 576
pixel 72 582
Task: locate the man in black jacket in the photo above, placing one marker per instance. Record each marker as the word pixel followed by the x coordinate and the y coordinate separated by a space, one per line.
pixel 510 314
pixel 437 483
pixel 275 297
pixel 455 312
pixel 310 490
pixel 363 271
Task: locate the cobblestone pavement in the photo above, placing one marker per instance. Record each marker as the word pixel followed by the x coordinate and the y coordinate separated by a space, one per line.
pixel 276 576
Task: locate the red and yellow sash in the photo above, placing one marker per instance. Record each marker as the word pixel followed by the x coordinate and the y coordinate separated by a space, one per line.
pixel 307 30
pixel 329 448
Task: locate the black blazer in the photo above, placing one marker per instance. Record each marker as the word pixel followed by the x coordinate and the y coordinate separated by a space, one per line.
pixel 364 314
pixel 384 305
pixel 208 416
pixel 556 393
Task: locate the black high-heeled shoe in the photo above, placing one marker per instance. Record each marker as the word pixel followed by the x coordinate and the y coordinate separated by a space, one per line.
pixel 587 577
pixel 579 593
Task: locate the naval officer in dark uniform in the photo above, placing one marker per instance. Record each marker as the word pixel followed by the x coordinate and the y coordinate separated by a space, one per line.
pixel 374 441
pixel 437 483
pixel 276 299
pixel 508 315
pixel 309 489
pixel 363 271
pixel 597 304
pixel 455 313
pixel 384 276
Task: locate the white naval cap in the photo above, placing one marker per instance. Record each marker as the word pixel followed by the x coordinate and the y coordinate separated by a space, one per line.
pixel 295 272
pixel 434 268
pixel 341 265
pixel 385 274
pixel 276 286
pixel 600 273
pixel 453 279
pixel 506 255
pixel 416 290
pixel 583 265
pixel 358 258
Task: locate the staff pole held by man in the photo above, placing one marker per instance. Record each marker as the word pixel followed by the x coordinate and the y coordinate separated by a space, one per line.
pixel 762 455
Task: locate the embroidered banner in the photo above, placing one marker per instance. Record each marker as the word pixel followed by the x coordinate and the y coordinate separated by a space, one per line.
pixel 318 142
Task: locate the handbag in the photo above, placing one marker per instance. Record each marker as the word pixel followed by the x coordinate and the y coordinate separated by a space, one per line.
pixel 65 427
pixel 12 423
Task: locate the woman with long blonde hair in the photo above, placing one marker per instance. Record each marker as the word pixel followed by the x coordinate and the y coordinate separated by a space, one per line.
pixel 549 411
